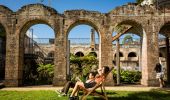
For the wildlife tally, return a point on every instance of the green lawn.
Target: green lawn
(113, 95)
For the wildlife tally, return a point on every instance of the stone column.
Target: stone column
(105, 54)
(60, 57)
(13, 71)
(150, 55)
(92, 42)
(118, 61)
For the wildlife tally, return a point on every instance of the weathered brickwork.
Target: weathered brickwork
(146, 22)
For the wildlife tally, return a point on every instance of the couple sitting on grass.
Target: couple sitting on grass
(91, 82)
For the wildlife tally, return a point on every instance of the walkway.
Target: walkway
(115, 88)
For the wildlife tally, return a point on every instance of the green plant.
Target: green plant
(81, 66)
(45, 73)
(127, 39)
(139, 1)
(127, 76)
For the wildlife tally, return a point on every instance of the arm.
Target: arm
(99, 71)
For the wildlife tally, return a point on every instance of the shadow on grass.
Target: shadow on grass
(126, 95)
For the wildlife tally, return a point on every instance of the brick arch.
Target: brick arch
(5, 12)
(5, 9)
(22, 30)
(79, 53)
(40, 7)
(3, 28)
(120, 54)
(28, 16)
(136, 26)
(80, 22)
(27, 24)
(164, 29)
(132, 54)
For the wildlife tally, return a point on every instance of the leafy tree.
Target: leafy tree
(127, 39)
(81, 66)
(139, 1)
(128, 76)
(46, 73)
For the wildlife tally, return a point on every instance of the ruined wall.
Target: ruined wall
(145, 20)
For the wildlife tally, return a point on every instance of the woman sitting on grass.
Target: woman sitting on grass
(99, 78)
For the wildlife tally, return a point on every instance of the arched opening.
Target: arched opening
(79, 54)
(93, 54)
(2, 52)
(164, 53)
(85, 39)
(132, 54)
(37, 37)
(126, 38)
(120, 54)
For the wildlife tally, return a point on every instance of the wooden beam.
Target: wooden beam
(127, 28)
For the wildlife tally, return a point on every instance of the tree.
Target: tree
(81, 66)
(139, 1)
(127, 39)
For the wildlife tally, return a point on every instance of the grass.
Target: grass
(112, 95)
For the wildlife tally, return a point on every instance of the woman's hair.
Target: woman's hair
(93, 73)
(158, 67)
(106, 69)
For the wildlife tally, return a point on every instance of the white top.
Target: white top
(147, 2)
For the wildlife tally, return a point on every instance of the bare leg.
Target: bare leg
(162, 84)
(76, 88)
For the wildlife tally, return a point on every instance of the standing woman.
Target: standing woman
(160, 74)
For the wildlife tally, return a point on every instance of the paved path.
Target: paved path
(115, 88)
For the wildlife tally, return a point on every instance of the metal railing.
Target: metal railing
(34, 45)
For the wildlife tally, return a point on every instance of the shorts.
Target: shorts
(89, 85)
(159, 75)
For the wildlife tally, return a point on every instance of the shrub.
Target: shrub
(45, 73)
(127, 76)
(81, 66)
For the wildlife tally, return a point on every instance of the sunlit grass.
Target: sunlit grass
(112, 95)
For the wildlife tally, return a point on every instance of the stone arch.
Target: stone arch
(28, 16)
(83, 21)
(31, 9)
(137, 27)
(5, 12)
(164, 29)
(93, 53)
(79, 54)
(21, 32)
(32, 22)
(132, 54)
(163, 53)
(120, 54)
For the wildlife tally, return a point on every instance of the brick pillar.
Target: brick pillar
(13, 73)
(150, 55)
(60, 62)
(106, 55)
